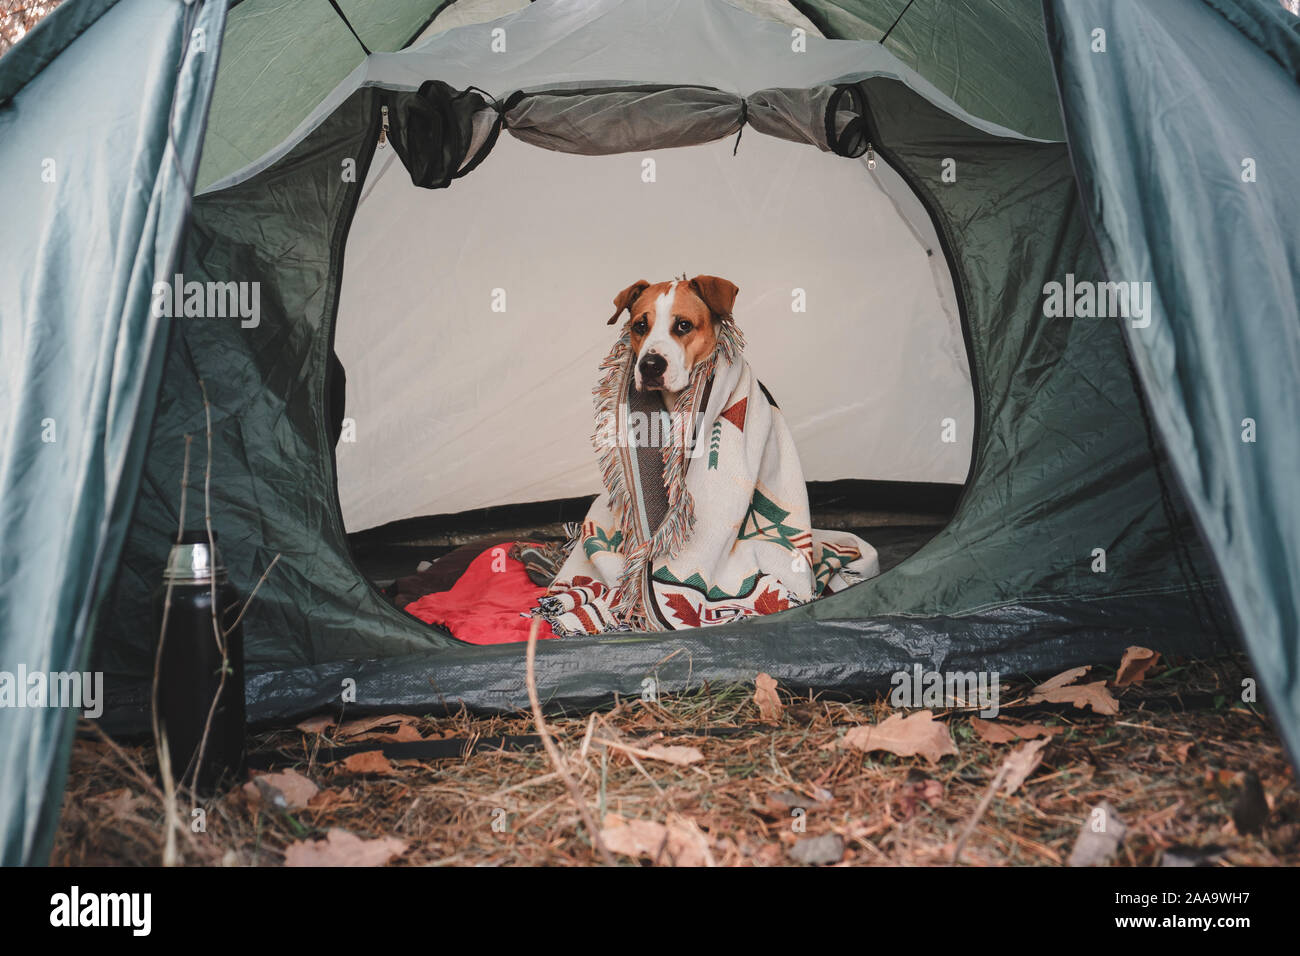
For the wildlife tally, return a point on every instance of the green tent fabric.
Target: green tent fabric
(988, 55)
(91, 220)
(1185, 132)
(1068, 457)
(281, 57)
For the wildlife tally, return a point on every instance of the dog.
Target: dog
(674, 326)
(693, 533)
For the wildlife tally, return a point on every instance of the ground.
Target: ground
(1176, 764)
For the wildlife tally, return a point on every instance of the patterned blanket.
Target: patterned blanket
(706, 516)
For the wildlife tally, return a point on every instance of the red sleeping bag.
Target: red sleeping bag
(485, 603)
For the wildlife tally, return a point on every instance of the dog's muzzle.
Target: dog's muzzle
(652, 369)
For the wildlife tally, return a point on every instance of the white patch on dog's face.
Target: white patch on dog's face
(661, 342)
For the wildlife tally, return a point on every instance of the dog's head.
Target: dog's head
(673, 325)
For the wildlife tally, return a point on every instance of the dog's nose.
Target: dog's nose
(653, 366)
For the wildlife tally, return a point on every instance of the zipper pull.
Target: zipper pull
(383, 129)
(871, 155)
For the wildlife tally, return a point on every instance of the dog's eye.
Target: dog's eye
(682, 327)
(640, 327)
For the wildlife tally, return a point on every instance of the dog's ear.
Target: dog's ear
(625, 298)
(718, 294)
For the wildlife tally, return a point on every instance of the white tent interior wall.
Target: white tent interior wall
(472, 319)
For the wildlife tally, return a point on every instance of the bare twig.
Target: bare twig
(256, 587)
(159, 735)
(979, 810)
(172, 819)
(553, 751)
(216, 624)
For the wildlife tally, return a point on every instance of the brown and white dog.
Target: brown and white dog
(673, 327)
(713, 524)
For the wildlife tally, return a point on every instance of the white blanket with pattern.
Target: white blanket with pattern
(705, 519)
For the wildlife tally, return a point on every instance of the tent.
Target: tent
(1070, 226)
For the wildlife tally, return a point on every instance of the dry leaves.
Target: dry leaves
(767, 699)
(316, 725)
(679, 842)
(905, 736)
(1022, 762)
(1063, 678)
(404, 728)
(1061, 689)
(1133, 668)
(371, 761)
(1099, 837)
(1005, 731)
(681, 756)
(287, 790)
(340, 848)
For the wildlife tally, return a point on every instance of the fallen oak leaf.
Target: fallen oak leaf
(681, 756)
(316, 725)
(341, 848)
(1004, 731)
(1135, 664)
(288, 790)
(354, 728)
(1094, 695)
(1061, 679)
(404, 733)
(674, 843)
(370, 761)
(767, 699)
(905, 736)
(1021, 763)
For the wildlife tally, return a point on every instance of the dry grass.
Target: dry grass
(1173, 777)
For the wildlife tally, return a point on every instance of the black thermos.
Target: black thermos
(191, 666)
